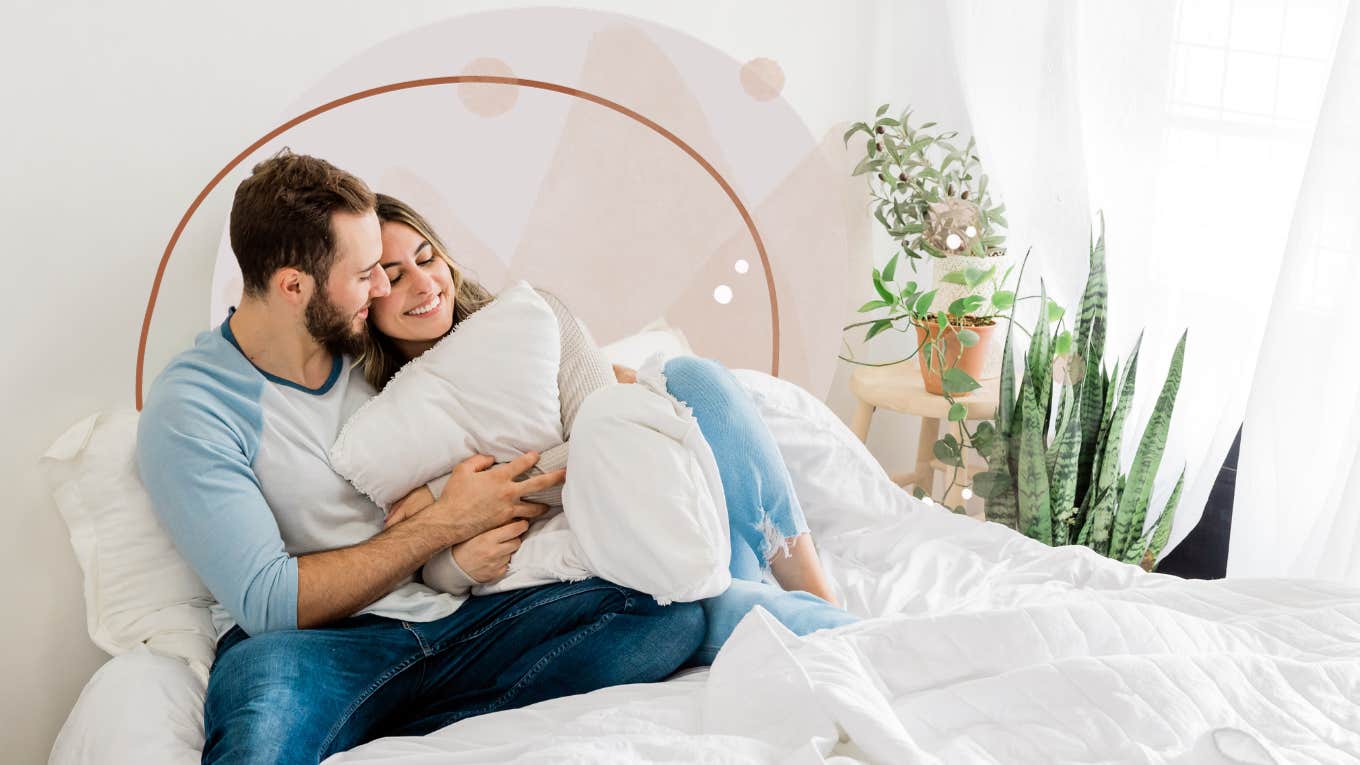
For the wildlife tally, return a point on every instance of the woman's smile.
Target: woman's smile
(427, 309)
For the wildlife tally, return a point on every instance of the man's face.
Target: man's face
(337, 312)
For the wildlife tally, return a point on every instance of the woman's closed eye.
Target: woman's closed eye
(394, 274)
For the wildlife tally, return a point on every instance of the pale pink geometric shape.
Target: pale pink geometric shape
(488, 99)
(762, 78)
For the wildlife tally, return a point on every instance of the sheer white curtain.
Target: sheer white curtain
(1189, 123)
(1298, 499)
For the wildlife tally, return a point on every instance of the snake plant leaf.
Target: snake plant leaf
(1133, 505)
(1161, 532)
(1093, 411)
(1062, 476)
(1037, 364)
(1090, 334)
(1102, 518)
(1005, 410)
(1036, 519)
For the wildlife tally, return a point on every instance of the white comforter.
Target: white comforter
(984, 646)
(993, 649)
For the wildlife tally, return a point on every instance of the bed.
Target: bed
(981, 646)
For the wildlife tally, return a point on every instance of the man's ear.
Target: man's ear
(293, 286)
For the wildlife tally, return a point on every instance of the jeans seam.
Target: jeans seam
(382, 680)
(542, 663)
(518, 612)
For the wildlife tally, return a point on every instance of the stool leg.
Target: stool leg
(864, 414)
(923, 474)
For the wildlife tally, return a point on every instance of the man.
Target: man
(325, 640)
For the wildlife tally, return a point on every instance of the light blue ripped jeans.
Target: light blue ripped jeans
(761, 506)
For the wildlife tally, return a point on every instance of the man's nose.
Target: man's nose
(382, 286)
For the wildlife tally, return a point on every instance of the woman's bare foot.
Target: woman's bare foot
(800, 569)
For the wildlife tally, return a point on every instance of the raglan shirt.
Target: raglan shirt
(236, 463)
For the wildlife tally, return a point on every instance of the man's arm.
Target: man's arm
(204, 492)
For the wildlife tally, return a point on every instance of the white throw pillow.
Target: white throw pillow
(138, 590)
(489, 387)
(643, 493)
(656, 337)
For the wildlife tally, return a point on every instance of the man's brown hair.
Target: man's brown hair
(281, 217)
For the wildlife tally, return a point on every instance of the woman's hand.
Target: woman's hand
(624, 374)
(486, 556)
(409, 505)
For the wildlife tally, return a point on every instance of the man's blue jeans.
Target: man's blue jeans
(298, 696)
(762, 509)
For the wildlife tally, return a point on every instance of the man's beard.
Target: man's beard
(332, 328)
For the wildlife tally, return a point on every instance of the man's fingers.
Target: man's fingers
(529, 509)
(476, 463)
(511, 530)
(541, 482)
(519, 464)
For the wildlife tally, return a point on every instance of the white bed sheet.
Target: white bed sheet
(984, 647)
(994, 649)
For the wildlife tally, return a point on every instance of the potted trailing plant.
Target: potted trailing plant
(932, 198)
(1053, 450)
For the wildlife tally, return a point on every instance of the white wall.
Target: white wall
(115, 115)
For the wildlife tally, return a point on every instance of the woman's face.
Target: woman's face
(419, 310)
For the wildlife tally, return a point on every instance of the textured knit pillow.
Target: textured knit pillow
(489, 387)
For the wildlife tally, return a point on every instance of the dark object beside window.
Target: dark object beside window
(1203, 554)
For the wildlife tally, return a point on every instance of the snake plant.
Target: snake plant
(1064, 485)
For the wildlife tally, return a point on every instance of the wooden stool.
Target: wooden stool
(899, 388)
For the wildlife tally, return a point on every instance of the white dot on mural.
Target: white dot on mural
(762, 78)
(723, 294)
(742, 266)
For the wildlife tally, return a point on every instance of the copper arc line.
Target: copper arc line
(453, 80)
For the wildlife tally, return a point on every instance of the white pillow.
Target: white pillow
(138, 590)
(138, 708)
(840, 485)
(656, 337)
(489, 387)
(643, 493)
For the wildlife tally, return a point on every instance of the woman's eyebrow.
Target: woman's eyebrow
(420, 247)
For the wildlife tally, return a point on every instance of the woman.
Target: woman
(430, 296)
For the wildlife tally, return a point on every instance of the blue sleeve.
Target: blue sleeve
(195, 460)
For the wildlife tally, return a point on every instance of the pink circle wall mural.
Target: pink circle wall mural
(647, 176)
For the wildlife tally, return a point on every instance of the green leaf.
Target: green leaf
(1055, 311)
(1003, 299)
(966, 305)
(877, 327)
(890, 269)
(880, 289)
(954, 277)
(1161, 532)
(1063, 473)
(1063, 344)
(990, 483)
(1133, 505)
(946, 455)
(968, 338)
(976, 276)
(1036, 520)
(957, 412)
(923, 302)
(855, 128)
(881, 110)
(918, 492)
(873, 305)
(955, 380)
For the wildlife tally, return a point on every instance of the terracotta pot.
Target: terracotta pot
(971, 360)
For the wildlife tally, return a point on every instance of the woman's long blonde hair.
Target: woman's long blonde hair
(381, 358)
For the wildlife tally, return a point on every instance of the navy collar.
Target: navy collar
(336, 365)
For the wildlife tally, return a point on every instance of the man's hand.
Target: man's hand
(487, 556)
(624, 374)
(409, 505)
(482, 495)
